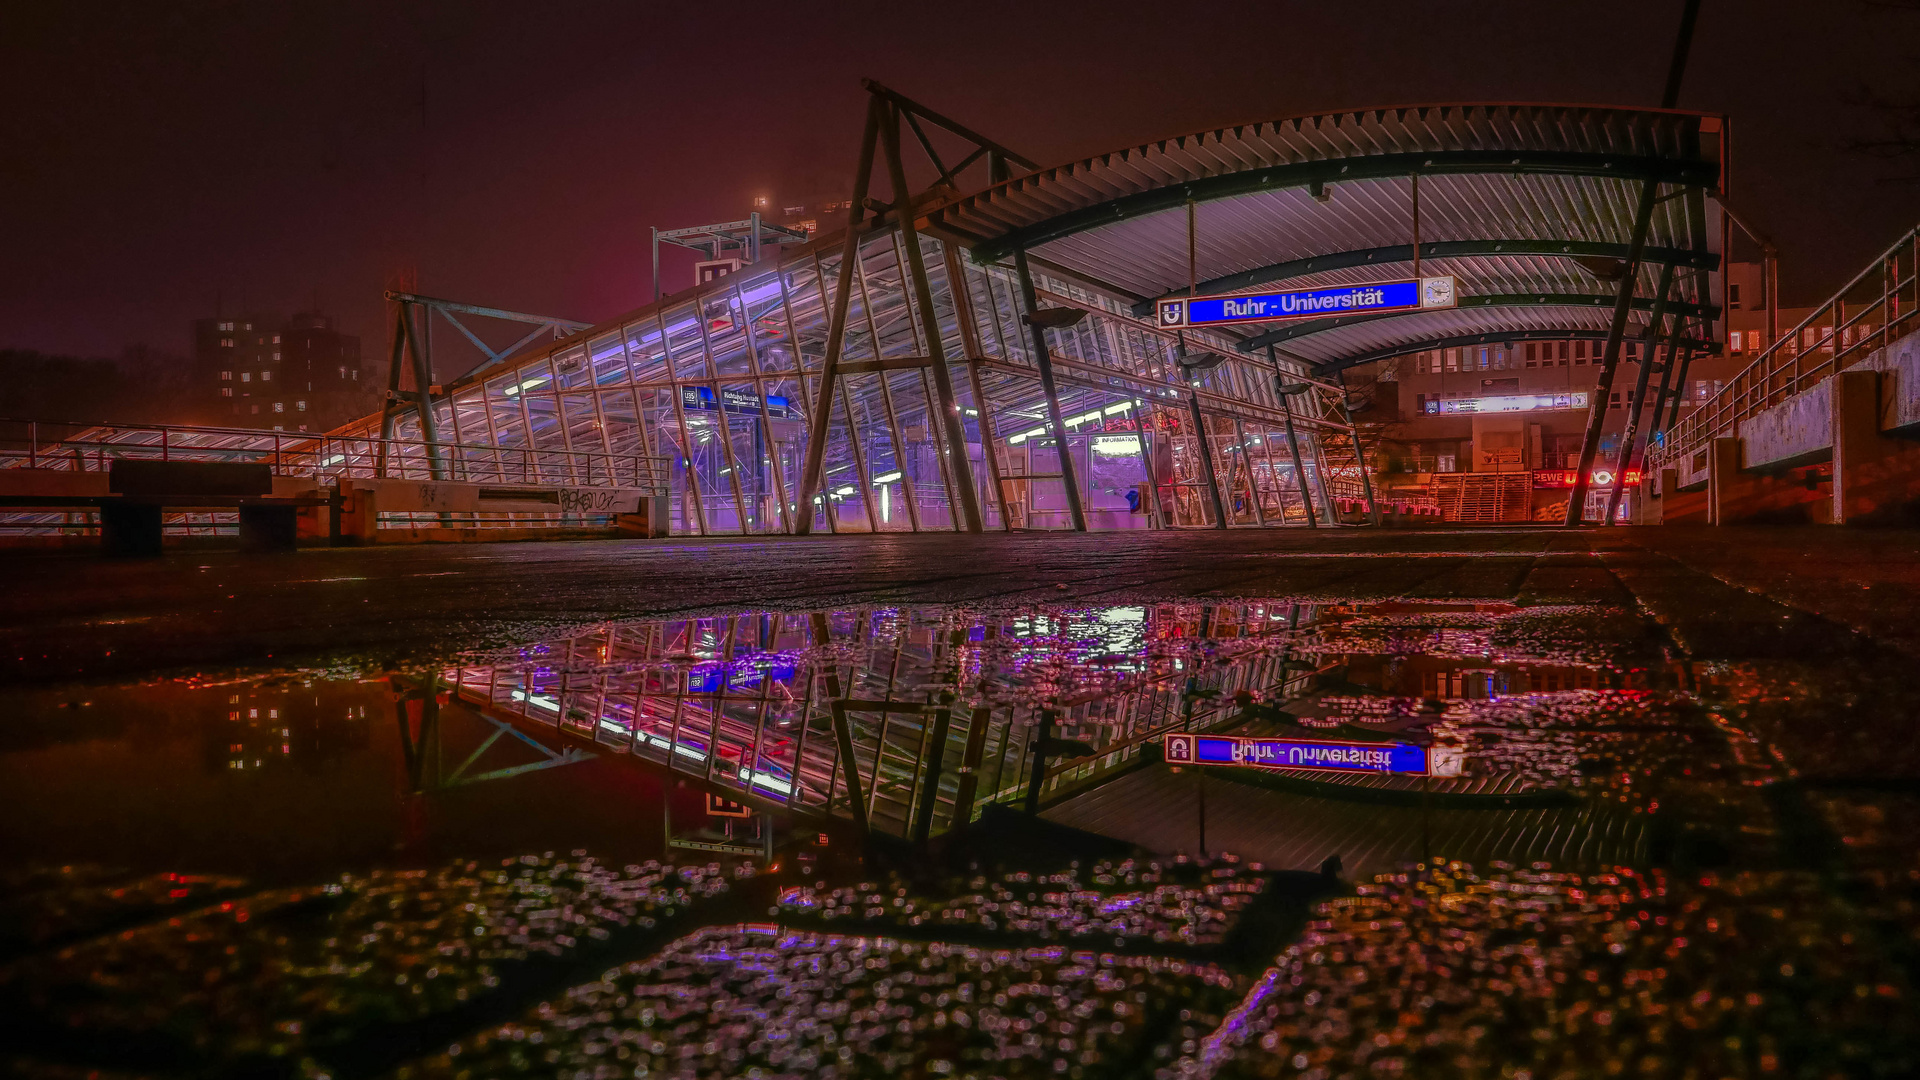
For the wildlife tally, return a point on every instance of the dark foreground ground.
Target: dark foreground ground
(1720, 593)
(245, 875)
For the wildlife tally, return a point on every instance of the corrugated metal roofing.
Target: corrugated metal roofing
(1487, 172)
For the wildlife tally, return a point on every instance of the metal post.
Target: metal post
(970, 341)
(1044, 360)
(1649, 341)
(1038, 777)
(1623, 304)
(1680, 393)
(655, 230)
(1359, 456)
(393, 391)
(1206, 458)
(810, 477)
(1299, 470)
(961, 469)
(423, 401)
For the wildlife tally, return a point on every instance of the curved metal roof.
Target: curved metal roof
(1528, 205)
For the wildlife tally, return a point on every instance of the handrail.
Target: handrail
(1784, 368)
(95, 446)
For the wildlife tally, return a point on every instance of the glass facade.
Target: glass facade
(722, 383)
(941, 710)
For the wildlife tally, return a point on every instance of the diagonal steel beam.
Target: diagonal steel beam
(1597, 414)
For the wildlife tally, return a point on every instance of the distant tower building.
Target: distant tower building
(264, 371)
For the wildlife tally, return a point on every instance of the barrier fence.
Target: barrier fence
(1837, 334)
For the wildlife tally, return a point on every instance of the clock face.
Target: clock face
(1436, 292)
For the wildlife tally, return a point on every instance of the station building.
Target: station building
(996, 361)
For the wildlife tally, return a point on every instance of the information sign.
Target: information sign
(1370, 298)
(1332, 756)
(735, 401)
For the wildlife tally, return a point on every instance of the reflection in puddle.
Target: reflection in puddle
(228, 877)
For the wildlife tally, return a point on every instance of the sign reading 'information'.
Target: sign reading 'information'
(1402, 758)
(1372, 298)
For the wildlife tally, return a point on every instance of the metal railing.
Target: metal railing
(73, 447)
(1836, 335)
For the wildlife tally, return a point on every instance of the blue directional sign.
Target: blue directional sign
(1371, 298)
(1398, 757)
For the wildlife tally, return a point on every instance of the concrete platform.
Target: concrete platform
(1726, 592)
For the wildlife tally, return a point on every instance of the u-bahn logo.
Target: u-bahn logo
(1173, 312)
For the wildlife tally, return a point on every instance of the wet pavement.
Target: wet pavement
(455, 811)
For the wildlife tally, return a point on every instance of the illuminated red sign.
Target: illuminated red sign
(1563, 478)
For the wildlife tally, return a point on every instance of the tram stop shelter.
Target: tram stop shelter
(990, 346)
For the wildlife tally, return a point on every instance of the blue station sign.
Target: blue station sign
(734, 401)
(1371, 298)
(1349, 757)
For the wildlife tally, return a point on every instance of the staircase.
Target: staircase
(1484, 497)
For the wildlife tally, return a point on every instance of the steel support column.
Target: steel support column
(1359, 456)
(811, 476)
(1206, 459)
(1650, 341)
(1680, 387)
(423, 389)
(1299, 470)
(1597, 414)
(1044, 360)
(959, 468)
(970, 341)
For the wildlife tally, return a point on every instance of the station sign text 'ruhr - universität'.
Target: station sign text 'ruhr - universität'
(1399, 757)
(1369, 298)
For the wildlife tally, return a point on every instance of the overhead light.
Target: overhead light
(1200, 361)
(1600, 266)
(1289, 389)
(1054, 318)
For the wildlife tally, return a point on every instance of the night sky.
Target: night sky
(157, 159)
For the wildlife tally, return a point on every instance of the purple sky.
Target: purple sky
(160, 158)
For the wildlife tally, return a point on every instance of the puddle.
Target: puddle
(416, 859)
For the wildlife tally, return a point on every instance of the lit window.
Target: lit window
(1733, 341)
(226, 343)
(276, 341)
(226, 376)
(343, 371)
(279, 407)
(226, 391)
(266, 376)
(276, 352)
(226, 326)
(246, 376)
(301, 405)
(246, 326)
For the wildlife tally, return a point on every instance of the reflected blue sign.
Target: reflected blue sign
(711, 678)
(1370, 298)
(1397, 757)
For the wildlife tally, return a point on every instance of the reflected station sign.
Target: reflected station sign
(1371, 298)
(1399, 758)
